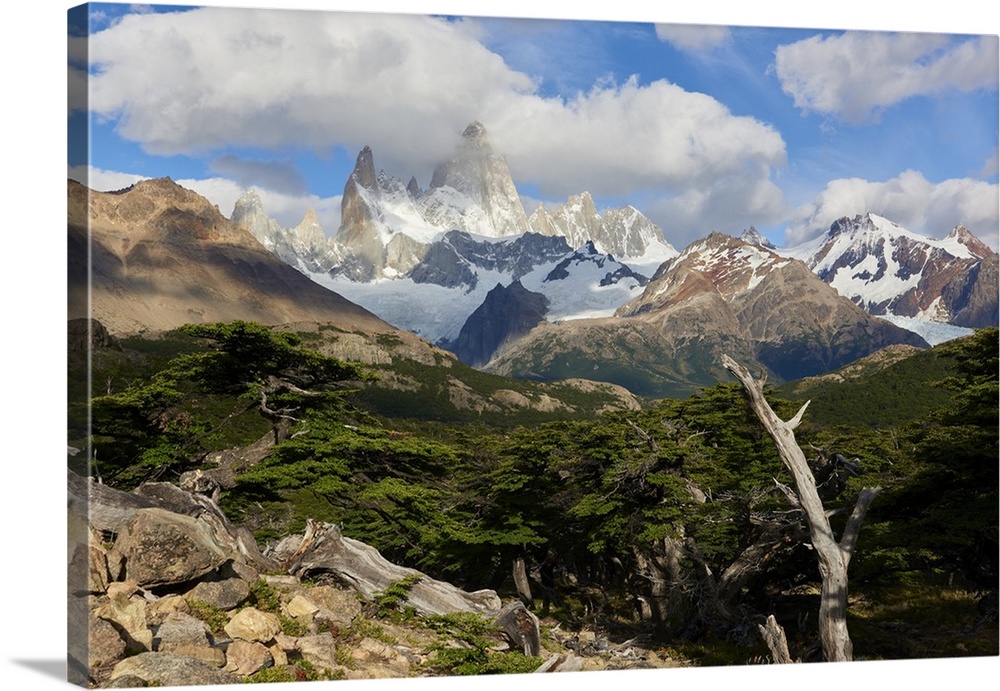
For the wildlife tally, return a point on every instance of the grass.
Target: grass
(919, 621)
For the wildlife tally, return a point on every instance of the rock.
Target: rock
(251, 624)
(126, 681)
(157, 612)
(181, 630)
(105, 645)
(98, 573)
(301, 609)
(163, 548)
(225, 594)
(246, 657)
(338, 607)
(278, 655)
(128, 614)
(319, 650)
(170, 669)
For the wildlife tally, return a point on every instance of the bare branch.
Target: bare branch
(788, 492)
(794, 422)
(850, 536)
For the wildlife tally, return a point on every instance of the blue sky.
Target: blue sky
(701, 127)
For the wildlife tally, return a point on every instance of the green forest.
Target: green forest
(668, 522)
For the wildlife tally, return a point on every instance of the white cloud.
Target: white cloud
(196, 82)
(910, 200)
(855, 75)
(693, 38)
(618, 139)
(730, 205)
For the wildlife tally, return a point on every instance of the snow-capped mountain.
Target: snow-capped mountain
(424, 260)
(901, 275)
(305, 247)
(459, 271)
(721, 295)
(623, 232)
(755, 237)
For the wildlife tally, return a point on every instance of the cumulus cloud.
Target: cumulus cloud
(855, 75)
(693, 38)
(617, 139)
(909, 199)
(195, 82)
(729, 206)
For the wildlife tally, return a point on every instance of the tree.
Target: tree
(238, 374)
(833, 556)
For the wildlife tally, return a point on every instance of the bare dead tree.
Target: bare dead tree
(833, 556)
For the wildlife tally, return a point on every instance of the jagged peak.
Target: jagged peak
(755, 237)
(364, 169)
(476, 130)
(310, 217)
(248, 199)
(966, 237)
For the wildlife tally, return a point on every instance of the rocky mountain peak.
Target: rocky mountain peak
(476, 133)
(364, 169)
(754, 237)
(847, 225)
(964, 236)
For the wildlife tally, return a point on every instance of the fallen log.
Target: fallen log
(324, 551)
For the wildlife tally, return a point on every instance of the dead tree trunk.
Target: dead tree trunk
(521, 581)
(833, 556)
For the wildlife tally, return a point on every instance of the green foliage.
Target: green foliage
(584, 501)
(395, 596)
(209, 397)
(215, 618)
(476, 657)
(271, 675)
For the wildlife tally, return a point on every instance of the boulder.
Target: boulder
(105, 645)
(247, 657)
(250, 624)
(181, 630)
(160, 547)
(225, 594)
(337, 607)
(170, 669)
(319, 650)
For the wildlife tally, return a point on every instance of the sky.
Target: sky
(701, 127)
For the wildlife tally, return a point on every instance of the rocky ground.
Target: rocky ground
(165, 592)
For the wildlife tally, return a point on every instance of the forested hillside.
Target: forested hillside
(666, 522)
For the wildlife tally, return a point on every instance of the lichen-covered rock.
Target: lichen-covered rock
(319, 650)
(251, 624)
(105, 645)
(162, 548)
(225, 594)
(247, 657)
(170, 669)
(338, 607)
(181, 630)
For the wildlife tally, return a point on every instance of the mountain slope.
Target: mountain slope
(720, 295)
(163, 256)
(891, 271)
